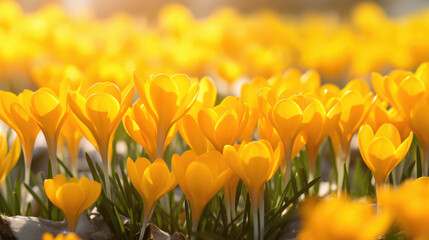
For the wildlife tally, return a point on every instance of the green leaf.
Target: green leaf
(36, 197)
(66, 169)
(407, 173)
(419, 162)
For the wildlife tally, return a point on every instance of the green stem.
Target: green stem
(340, 160)
(53, 157)
(106, 165)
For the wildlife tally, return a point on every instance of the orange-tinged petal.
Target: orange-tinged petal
(365, 137)
(91, 190)
(164, 98)
(287, 118)
(199, 181)
(107, 88)
(155, 181)
(390, 132)
(207, 119)
(70, 200)
(402, 150)
(102, 109)
(187, 102)
(225, 129)
(193, 135)
(381, 154)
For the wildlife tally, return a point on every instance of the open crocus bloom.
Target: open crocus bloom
(255, 163)
(152, 181)
(50, 111)
(72, 196)
(166, 99)
(224, 123)
(382, 150)
(200, 177)
(101, 110)
(15, 112)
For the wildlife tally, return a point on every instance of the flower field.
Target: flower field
(231, 126)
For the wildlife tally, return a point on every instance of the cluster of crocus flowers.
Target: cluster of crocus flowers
(382, 150)
(200, 177)
(324, 121)
(152, 181)
(255, 163)
(243, 137)
(72, 196)
(188, 125)
(288, 115)
(355, 47)
(340, 218)
(100, 110)
(163, 101)
(407, 93)
(356, 102)
(8, 157)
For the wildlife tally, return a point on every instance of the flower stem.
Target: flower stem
(194, 228)
(378, 188)
(145, 221)
(28, 155)
(52, 147)
(344, 158)
(255, 222)
(106, 165)
(261, 217)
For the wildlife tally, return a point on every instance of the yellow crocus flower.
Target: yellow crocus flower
(101, 110)
(8, 159)
(61, 236)
(255, 163)
(72, 134)
(50, 111)
(249, 91)
(288, 115)
(224, 123)
(383, 150)
(323, 122)
(15, 112)
(407, 92)
(72, 196)
(188, 125)
(229, 70)
(380, 115)
(268, 132)
(167, 99)
(408, 206)
(200, 177)
(152, 181)
(141, 126)
(340, 218)
(356, 101)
